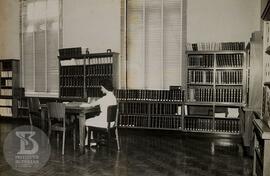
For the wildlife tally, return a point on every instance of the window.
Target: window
(40, 39)
(154, 42)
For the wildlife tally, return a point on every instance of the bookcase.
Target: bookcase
(261, 159)
(22, 102)
(150, 109)
(216, 87)
(9, 70)
(80, 73)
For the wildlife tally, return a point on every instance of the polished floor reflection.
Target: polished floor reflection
(144, 153)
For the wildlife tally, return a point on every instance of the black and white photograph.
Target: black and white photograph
(135, 87)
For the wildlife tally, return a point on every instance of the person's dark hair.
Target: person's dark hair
(107, 84)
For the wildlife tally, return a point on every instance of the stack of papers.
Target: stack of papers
(233, 113)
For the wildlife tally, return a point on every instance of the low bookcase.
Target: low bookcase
(150, 109)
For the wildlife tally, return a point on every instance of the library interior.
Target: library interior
(135, 87)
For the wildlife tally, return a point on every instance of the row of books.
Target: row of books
(87, 61)
(94, 92)
(214, 46)
(71, 81)
(203, 94)
(133, 108)
(71, 71)
(77, 81)
(71, 92)
(230, 126)
(151, 95)
(229, 95)
(133, 121)
(93, 70)
(222, 77)
(230, 60)
(99, 60)
(200, 76)
(229, 77)
(166, 122)
(6, 92)
(96, 70)
(198, 124)
(149, 108)
(5, 102)
(6, 74)
(205, 60)
(79, 92)
(190, 124)
(163, 109)
(95, 81)
(7, 82)
(5, 111)
(70, 52)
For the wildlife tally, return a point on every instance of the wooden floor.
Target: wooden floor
(144, 153)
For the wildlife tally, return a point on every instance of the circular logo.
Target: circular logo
(27, 149)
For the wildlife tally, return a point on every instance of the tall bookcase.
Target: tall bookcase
(216, 88)
(150, 109)
(9, 70)
(80, 74)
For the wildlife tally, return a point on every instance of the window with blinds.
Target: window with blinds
(40, 39)
(155, 42)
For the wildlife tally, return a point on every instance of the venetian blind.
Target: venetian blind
(41, 37)
(156, 37)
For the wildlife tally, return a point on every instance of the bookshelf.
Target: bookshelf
(80, 73)
(9, 76)
(261, 155)
(216, 87)
(150, 109)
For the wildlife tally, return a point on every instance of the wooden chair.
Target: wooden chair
(57, 122)
(34, 111)
(112, 113)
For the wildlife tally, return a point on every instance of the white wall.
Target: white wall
(222, 20)
(9, 29)
(92, 23)
(263, 5)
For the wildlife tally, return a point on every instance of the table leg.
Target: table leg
(82, 130)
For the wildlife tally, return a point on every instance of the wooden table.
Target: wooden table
(74, 108)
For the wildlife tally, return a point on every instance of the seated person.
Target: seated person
(107, 100)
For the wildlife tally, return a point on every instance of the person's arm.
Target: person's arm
(92, 104)
(97, 102)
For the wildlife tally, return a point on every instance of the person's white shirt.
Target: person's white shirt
(101, 120)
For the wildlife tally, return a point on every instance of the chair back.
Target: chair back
(56, 111)
(33, 104)
(111, 113)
